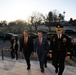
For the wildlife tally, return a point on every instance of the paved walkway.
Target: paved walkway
(10, 67)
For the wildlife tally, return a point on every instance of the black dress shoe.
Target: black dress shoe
(28, 68)
(56, 70)
(45, 66)
(16, 58)
(42, 70)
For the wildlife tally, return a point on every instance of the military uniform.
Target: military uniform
(60, 48)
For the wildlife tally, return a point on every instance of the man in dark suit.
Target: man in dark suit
(41, 47)
(59, 48)
(27, 47)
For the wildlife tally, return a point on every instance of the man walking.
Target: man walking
(41, 47)
(59, 48)
(27, 47)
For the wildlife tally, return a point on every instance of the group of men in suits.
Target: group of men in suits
(59, 48)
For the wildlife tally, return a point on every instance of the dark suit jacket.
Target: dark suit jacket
(29, 47)
(60, 46)
(44, 48)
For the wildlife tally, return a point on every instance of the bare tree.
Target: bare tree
(50, 17)
(37, 18)
(4, 23)
(61, 17)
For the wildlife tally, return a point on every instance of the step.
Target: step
(19, 67)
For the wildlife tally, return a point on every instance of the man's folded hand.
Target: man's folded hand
(50, 55)
(20, 53)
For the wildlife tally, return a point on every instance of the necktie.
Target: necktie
(40, 40)
(59, 36)
(25, 42)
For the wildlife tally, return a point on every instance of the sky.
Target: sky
(11, 10)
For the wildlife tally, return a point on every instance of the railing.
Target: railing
(3, 48)
(2, 52)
